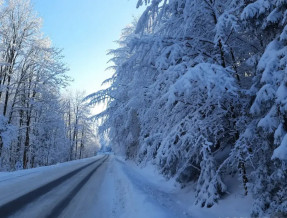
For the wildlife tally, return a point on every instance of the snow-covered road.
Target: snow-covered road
(103, 186)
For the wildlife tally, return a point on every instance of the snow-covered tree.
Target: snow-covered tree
(80, 129)
(177, 79)
(33, 127)
(199, 90)
(268, 110)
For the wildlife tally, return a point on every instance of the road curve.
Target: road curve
(52, 198)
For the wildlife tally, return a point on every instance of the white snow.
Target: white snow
(281, 151)
(121, 189)
(129, 191)
(255, 9)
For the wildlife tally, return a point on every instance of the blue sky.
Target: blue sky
(86, 30)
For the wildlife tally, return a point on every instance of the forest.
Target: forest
(200, 91)
(40, 125)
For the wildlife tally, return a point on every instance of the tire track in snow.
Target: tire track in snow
(155, 195)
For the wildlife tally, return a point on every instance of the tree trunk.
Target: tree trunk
(27, 142)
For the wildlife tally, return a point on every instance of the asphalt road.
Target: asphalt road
(65, 196)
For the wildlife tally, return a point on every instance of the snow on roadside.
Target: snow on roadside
(142, 192)
(129, 198)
